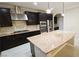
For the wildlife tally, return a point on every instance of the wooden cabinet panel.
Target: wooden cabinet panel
(12, 41)
(0, 45)
(7, 42)
(5, 17)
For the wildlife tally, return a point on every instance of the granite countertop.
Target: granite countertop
(51, 40)
(15, 32)
(7, 34)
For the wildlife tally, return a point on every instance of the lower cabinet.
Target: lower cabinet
(7, 42)
(20, 39)
(12, 41)
(0, 45)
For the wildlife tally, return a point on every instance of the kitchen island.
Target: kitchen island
(55, 43)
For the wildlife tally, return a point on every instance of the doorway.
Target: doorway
(58, 22)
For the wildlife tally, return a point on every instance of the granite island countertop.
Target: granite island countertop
(51, 40)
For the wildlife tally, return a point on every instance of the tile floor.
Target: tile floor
(19, 51)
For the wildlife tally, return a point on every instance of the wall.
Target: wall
(71, 23)
(71, 20)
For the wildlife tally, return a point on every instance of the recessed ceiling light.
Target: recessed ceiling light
(35, 3)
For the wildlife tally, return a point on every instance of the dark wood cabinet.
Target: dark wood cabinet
(45, 16)
(0, 45)
(49, 16)
(5, 17)
(20, 39)
(32, 18)
(42, 16)
(11, 41)
(7, 42)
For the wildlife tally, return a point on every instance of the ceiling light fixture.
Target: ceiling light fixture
(35, 3)
(49, 9)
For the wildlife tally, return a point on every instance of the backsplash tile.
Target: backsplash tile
(6, 29)
(18, 25)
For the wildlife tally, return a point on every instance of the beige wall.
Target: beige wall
(17, 25)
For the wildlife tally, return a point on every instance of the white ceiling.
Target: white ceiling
(68, 5)
(41, 5)
(57, 6)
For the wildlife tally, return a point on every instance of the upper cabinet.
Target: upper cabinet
(33, 18)
(45, 16)
(49, 16)
(42, 16)
(5, 17)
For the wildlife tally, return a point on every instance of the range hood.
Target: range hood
(18, 15)
(15, 16)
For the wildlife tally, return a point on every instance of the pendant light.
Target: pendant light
(49, 9)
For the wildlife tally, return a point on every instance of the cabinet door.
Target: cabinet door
(49, 16)
(42, 16)
(0, 45)
(13, 41)
(5, 17)
(20, 39)
(7, 42)
(5, 20)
